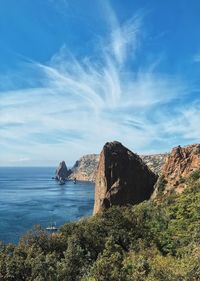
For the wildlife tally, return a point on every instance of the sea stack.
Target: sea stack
(122, 178)
(62, 172)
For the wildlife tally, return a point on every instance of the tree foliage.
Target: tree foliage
(150, 241)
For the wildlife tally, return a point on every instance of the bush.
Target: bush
(160, 185)
(195, 175)
(145, 242)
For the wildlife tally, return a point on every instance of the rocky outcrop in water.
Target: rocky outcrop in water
(62, 172)
(122, 178)
(85, 168)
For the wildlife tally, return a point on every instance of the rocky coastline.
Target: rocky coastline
(122, 177)
(85, 168)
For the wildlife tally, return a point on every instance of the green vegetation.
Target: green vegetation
(149, 241)
(160, 185)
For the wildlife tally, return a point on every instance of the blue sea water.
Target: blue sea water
(28, 196)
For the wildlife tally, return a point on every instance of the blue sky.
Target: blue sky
(76, 74)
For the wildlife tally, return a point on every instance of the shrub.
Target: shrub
(145, 242)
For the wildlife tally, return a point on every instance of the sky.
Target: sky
(75, 74)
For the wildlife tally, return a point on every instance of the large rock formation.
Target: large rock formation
(122, 178)
(178, 165)
(62, 172)
(85, 168)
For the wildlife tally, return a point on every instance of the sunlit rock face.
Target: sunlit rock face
(62, 172)
(179, 164)
(154, 161)
(85, 168)
(122, 178)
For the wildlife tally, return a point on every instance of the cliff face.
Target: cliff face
(154, 162)
(62, 171)
(178, 165)
(85, 168)
(122, 178)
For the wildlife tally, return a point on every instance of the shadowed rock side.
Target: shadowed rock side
(62, 171)
(178, 165)
(122, 178)
(85, 168)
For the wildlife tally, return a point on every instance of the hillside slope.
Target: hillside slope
(85, 168)
(145, 242)
(178, 165)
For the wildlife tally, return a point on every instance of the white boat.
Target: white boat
(52, 228)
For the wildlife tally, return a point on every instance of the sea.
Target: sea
(29, 196)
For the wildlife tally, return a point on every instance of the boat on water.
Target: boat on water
(52, 228)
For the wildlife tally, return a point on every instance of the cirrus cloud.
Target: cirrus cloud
(74, 105)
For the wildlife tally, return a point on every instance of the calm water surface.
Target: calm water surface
(29, 196)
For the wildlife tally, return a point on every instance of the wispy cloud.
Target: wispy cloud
(186, 123)
(124, 37)
(196, 58)
(80, 103)
(19, 160)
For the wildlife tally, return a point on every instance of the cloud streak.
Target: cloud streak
(80, 103)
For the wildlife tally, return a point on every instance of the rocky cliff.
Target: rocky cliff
(62, 172)
(122, 178)
(85, 168)
(179, 164)
(155, 161)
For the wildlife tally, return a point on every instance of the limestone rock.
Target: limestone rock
(85, 168)
(154, 161)
(122, 178)
(62, 172)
